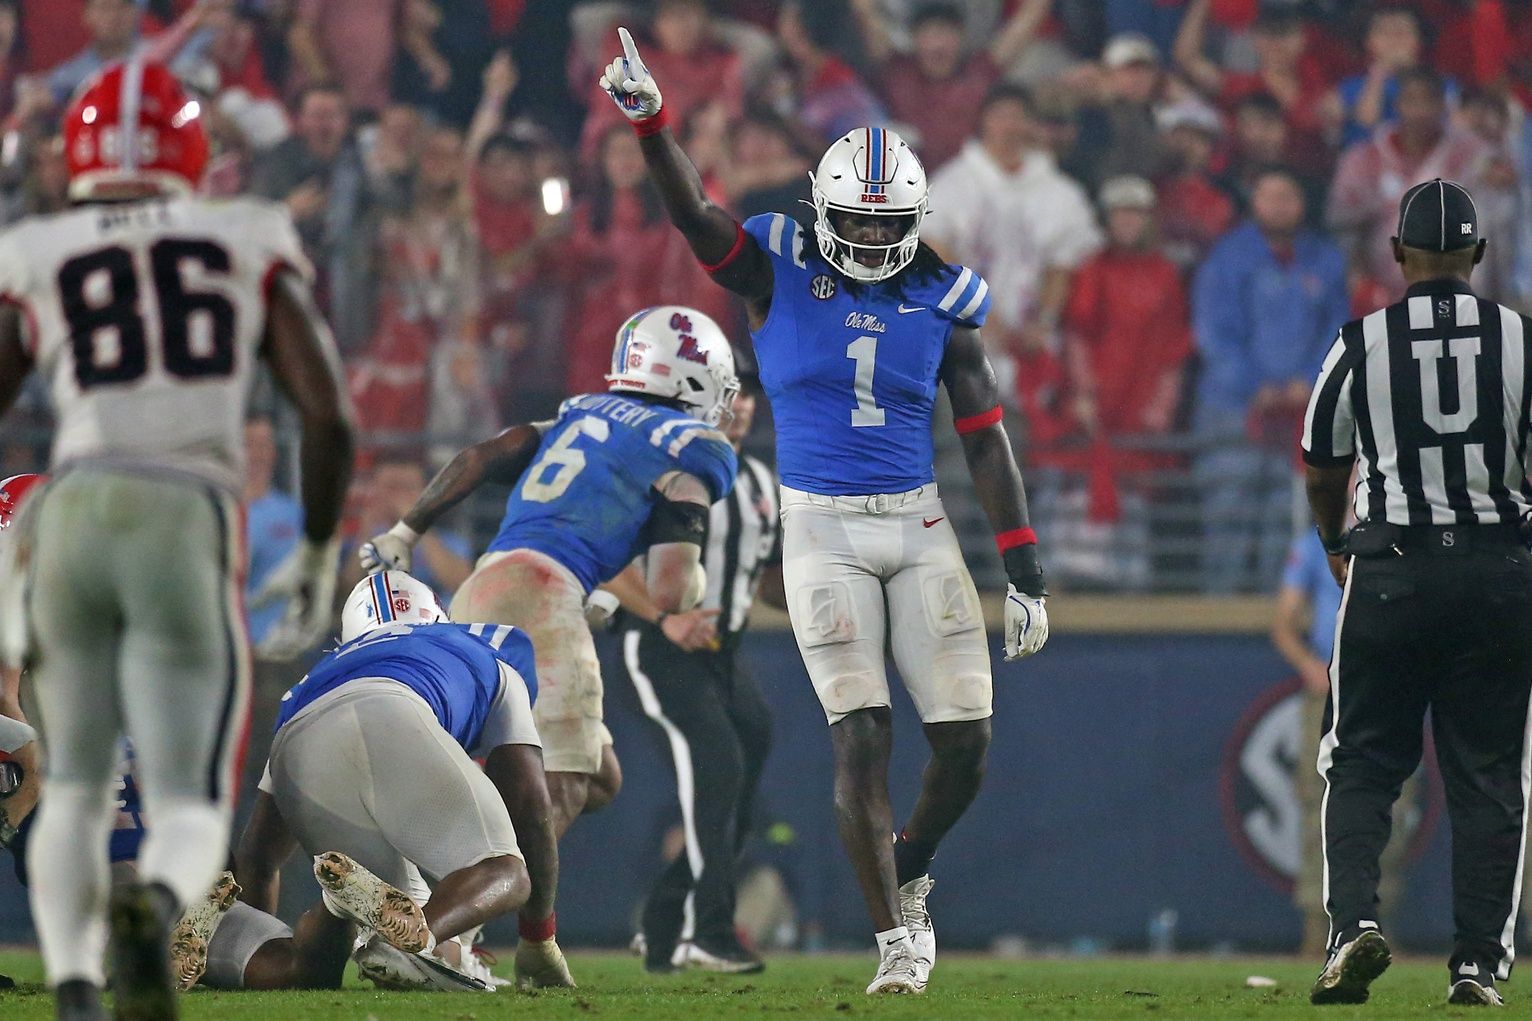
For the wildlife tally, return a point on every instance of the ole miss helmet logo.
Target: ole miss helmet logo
(691, 351)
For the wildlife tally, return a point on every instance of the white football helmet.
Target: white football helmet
(678, 353)
(873, 172)
(388, 597)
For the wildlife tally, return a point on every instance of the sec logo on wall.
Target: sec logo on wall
(1258, 786)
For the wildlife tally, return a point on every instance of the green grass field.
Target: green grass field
(831, 987)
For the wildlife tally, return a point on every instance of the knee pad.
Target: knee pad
(854, 684)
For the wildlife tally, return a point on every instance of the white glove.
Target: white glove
(1026, 623)
(540, 964)
(391, 551)
(306, 579)
(630, 84)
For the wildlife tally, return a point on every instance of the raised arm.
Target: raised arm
(1017, 33)
(731, 256)
(1205, 74)
(499, 459)
(975, 397)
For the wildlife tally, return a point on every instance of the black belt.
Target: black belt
(1378, 538)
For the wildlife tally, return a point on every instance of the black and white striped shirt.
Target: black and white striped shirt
(1431, 395)
(742, 541)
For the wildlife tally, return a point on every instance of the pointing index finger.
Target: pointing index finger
(636, 68)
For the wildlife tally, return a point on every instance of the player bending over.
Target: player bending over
(372, 758)
(853, 331)
(614, 475)
(251, 949)
(146, 308)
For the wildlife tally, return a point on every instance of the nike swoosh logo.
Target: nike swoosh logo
(890, 942)
(928, 524)
(913, 308)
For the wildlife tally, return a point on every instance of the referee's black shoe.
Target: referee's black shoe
(1360, 956)
(1473, 985)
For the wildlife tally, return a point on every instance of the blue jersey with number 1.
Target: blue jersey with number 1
(851, 371)
(589, 491)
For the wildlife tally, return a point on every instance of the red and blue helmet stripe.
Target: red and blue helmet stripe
(382, 603)
(625, 339)
(877, 173)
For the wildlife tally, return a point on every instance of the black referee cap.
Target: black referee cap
(1438, 216)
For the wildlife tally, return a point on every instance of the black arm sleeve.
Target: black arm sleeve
(677, 521)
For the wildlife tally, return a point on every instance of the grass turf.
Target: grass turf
(616, 987)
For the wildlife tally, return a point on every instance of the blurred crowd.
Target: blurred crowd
(1175, 202)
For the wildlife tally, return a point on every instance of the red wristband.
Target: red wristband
(739, 246)
(652, 125)
(1016, 537)
(973, 423)
(538, 932)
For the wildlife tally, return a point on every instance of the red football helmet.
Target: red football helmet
(12, 490)
(167, 148)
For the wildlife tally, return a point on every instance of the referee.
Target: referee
(1431, 396)
(713, 714)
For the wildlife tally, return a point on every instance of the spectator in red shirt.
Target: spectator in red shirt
(1126, 330)
(1194, 211)
(1126, 337)
(938, 87)
(683, 52)
(1284, 70)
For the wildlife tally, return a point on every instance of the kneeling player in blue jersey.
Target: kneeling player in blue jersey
(615, 475)
(854, 329)
(371, 758)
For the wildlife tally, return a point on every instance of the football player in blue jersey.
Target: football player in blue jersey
(854, 329)
(373, 757)
(614, 475)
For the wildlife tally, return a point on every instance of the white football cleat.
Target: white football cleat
(476, 960)
(351, 892)
(897, 972)
(912, 904)
(192, 936)
(388, 967)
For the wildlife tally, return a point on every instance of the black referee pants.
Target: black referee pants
(719, 730)
(1445, 628)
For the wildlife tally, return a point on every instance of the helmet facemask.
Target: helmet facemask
(842, 253)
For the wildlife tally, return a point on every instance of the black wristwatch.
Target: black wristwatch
(1336, 547)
